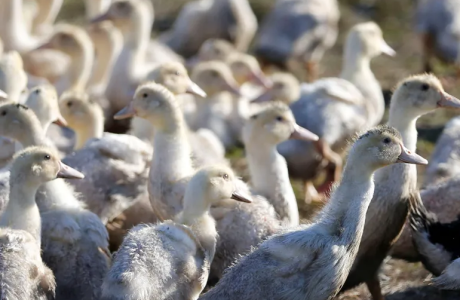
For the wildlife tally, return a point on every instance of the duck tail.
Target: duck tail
(419, 217)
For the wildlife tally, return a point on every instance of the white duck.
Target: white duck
(201, 20)
(46, 16)
(94, 8)
(396, 185)
(313, 261)
(24, 275)
(176, 256)
(13, 79)
(74, 241)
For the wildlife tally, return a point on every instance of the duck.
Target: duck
(24, 275)
(444, 159)
(298, 33)
(267, 168)
(213, 111)
(191, 237)
(74, 240)
(134, 19)
(438, 25)
(313, 261)
(212, 49)
(395, 185)
(356, 97)
(75, 42)
(16, 37)
(437, 245)
(201, 20)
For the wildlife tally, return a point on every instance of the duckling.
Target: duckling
(395, 185)
(13, 79)
(298, 32)
(134, 19)
(355, 99)
(438, 23)
(212, 49)
(213, 112)
(285, 88)
(313, 261)
(444, 162)
(170, 247)
(201, 20)
(268, 169)
(74, 240)
(24, 275)
(76, 43)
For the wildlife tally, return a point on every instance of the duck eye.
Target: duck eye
(253, 117)
(145, 95)
(213, 74)
(387, 141)
(4, 113)
(47, 157)
(177, 73)
(279, 119)
(225, 176)
(69, 104)
(37, 91)
(425, 87)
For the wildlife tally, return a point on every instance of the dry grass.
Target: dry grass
(400, 280)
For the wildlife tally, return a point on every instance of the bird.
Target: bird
(201, 20)
(298, 33)
(313, 261)
(24, 275)
(174, 257)
(395, 186)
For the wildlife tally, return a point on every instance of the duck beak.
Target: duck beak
(126, 112)
(233, 88)
(3, 95)
(387, 49)
(260, 79)
(68, 172)
(194, 89)
(301, 133)
(448, 101)
(104, 17)
(60, 121)
(241, 198)
(409, 157)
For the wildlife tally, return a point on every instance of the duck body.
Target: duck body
(439, 24)
(292, 20)
(205, 19)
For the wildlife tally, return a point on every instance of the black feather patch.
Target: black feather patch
(19, 105)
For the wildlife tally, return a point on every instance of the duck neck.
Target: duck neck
(354, 62)
(345, 214)
(196, 216)
(22, 212)
(80, 68)
(14, 30)
(270, 178)
(47, 13)
(34, 137)
(56, 194)
(172, 156)
(406, 125)
(138, 36)
(107, 53)
(93, 129)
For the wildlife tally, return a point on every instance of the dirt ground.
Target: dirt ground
(400, 280)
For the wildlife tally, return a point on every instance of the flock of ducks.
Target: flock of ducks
(156, 212)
